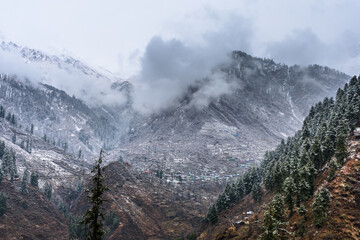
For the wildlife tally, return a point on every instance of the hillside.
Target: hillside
(30, 216)
(148, 207)
(268, 103)
(307, 188)
(341, 220)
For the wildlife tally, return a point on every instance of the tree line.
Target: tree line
(291, 169)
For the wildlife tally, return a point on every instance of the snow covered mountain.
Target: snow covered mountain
(32, 89)
(230, 133)
(233, 131)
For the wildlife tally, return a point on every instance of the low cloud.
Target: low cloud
(170, 67)
(92, 90)
(304, 47)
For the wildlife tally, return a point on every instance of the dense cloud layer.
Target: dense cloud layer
(170, 67)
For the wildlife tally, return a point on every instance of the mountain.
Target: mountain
(304, 189)
(235, 130)
(64, 119)
(165, 168)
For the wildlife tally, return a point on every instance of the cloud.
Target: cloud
(212, 88)
(93, 90)
(304, 47)
(170, 67)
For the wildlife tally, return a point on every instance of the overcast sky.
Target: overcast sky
(114, 34)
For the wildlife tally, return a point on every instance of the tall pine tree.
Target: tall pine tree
(94, 217)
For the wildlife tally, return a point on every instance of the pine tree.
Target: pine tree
(316, 154)
(2, 149)
(278, 177)
(230, 191)
(13, 120)
(94, 216)
(2, 112)
(240, 188)
(34, 179)
(302, 212)
(24, 181)
(320, 205)
(212, 216)
(48, 190)
(13, 139)
(341, 151)
(289, 193)
(8, 117)
(79, 153)
(303, 191)
(223, 202)
(333, 166)
(7, 161)
(274, 219)
(32, 129)
(247, 182)
(3, 204)
(257, 192)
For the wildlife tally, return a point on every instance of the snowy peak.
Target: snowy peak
(62, 61)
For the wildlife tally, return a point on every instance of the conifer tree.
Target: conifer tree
(7, 161)
(3, 204)
(257, 192)
(94, 217)
(223, 202)
(48, 190)
(320, 205)
(32, 129)
(230, 191)
(24, 181)
(341, 151)
(13, 120)
(289, 193)
(8, 117)
(333, 166)
(240, 188)
(274, 219)
(212, 216)
(302, 212)
(2, 149)
(316, 154)
(34, 179)
(2, 112)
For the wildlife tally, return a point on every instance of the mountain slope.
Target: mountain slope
(341, 220)
(148, 207)
(30, 216)
(235, 130)
(307, 188)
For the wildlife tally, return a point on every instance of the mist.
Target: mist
(170, 66)
(94, 91)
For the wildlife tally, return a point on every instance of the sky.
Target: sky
(165, 46)
(113, 34)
